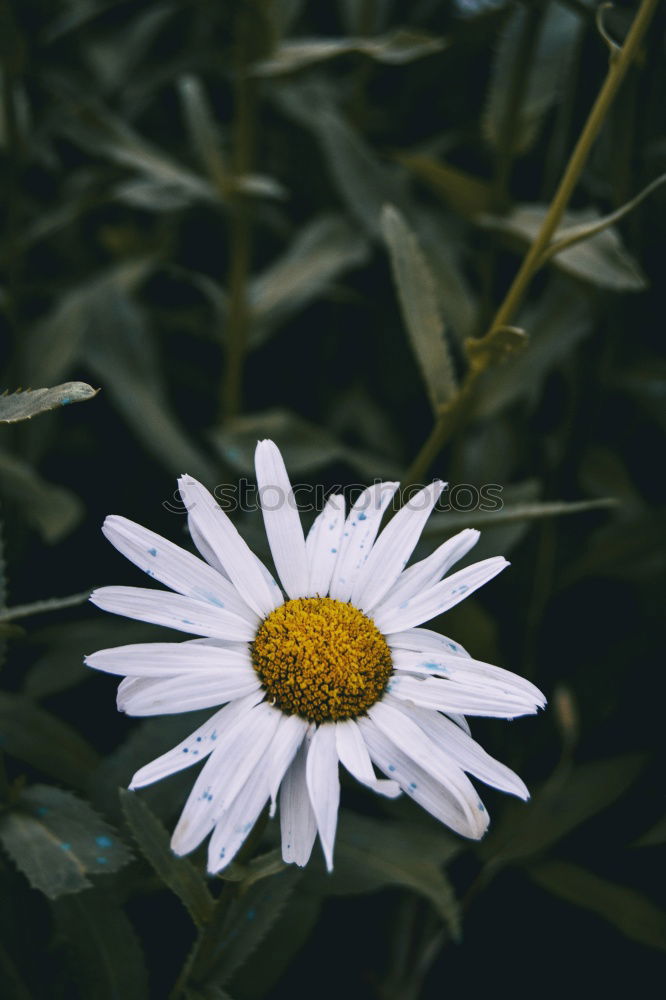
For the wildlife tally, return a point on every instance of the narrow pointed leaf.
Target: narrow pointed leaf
(416, 291)
(179, 874)
(27, 404)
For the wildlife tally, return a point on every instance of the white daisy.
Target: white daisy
(336, 671)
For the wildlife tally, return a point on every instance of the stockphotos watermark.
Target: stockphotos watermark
(246, 496)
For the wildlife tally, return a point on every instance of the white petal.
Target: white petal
(166, 659)
(424, 640)
(183, 613)
(409, 738)
(321, 774)
(466, 752)
(236, 822)
(194, 747)
(441, 597)
(204, 547)
(469, 673)
(450, 696)
(424, 574)
(187, 692)
(173, 566)
(233, 552)
(460, 721)
(360, 531)
(354, 755)
(392, 550)
(239, 749)
(431, 794)
(281, 519)
(323, 544)
(297, 820)
(290, 734)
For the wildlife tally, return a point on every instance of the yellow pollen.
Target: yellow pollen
(321, 659)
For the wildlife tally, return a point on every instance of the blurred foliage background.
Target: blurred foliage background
(193, 203)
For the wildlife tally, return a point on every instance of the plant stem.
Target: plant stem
(240, 231)
(450, 418)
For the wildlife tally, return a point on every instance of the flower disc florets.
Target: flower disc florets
(321, 659)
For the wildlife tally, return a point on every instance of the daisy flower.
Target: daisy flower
(328, 667)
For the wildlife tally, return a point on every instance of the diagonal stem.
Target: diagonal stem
(450, 419)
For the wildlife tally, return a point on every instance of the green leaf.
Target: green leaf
(43, 741)
(655, 836)
(550, 60)
(324, 249)
(120, 349)
(443, 249)
(42, 607)
(365, 184)
(105, 954)
(396, 48)
(243, 925)
(10, 978)
(372, 854)
(52, 510)
(584, 231)
(601, 260)
(467, 195)
(179, 874)
(27, 404)
(418, 301)
(57, 840)
(57, 340)
(61, 666)
(305, 447)
(204, 134)
(629, 911)
(279, 948)
(560, 806)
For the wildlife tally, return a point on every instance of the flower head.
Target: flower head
(328, 668)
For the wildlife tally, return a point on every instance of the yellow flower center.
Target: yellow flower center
(321, 659)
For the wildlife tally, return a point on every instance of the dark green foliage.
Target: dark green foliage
(239, 220)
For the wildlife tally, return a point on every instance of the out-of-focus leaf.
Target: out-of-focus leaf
(57, 840)
(103, 134)
(365, 184)
(61, 666)
(204, 135)
(38, 738)
(464, 193)
(319, 253)
(244, 925)
(416, 292)
(630, 549)
(57, 340)
(395, 48)
(633, 914)
(120, 349)
(305, 446)
(105, 954)
(555, 324)
(655, 836)
(52, 510)
(550, 62)
(280, 946)
(602, 259)
(372, 854)
(27, 404)
(41, 607)
(116, 56)
(559, 807)
(10, 978)
(179, 874)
